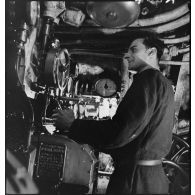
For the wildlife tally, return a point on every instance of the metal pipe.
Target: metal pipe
(178, 63)
(184, 50)
(173, 164)
(104, 173)
(46, 32)
(120, 56)
(93, 29)
(20, 68)
(172, 25)
(162, 18)
(176, 40)
(116, 42)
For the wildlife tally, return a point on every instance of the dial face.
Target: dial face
(105, 87)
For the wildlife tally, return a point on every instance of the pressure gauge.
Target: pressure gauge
(105, 87)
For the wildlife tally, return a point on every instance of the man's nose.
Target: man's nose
(128, 55)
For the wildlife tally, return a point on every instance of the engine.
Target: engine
(57, 65)
(50, 77)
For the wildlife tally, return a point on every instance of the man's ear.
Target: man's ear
(152, 51)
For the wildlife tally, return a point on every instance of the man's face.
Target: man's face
(137, 55)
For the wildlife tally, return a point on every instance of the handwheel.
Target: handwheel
(177, 166)
(179, 178)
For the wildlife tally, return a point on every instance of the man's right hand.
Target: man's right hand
(63, 119)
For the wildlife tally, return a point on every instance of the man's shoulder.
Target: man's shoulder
(153, 74)
(155, 77)
(151, 71)
(150, 74)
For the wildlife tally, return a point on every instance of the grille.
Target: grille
(50, 162)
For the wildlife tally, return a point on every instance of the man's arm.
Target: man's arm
(132, 116)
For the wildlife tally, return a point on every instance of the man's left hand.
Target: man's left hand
(63, 118)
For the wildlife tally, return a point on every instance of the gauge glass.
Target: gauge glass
(105, 87)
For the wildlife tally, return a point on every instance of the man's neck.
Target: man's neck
(154, 64)
(147, 66)
(141, 69)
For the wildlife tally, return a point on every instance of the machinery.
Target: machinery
(69, 55)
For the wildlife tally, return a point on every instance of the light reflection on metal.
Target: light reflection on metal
(73, 17)
(113, 14)
(33, 12)
(172, 1)
(54, 9)
(162, 18)
(145, 11)
(155, 2)
(172, 25)
(139, 1)
(176, 63)
(176, 40)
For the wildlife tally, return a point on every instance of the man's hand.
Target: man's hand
(125, 64)
(63, 118)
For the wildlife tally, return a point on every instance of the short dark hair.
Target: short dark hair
(151, 39)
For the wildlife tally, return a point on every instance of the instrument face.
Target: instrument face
(105, 87)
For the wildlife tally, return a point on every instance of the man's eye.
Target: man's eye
(133, 50)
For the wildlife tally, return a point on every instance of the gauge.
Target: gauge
(105, 87)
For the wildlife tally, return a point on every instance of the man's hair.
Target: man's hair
(151, 39)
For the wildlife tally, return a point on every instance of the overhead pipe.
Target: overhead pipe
(184, 50)
(172, 25)
(158, 29)
(176, 40)
(98, 42)
(176, 63)
(82, 52)
(162, 18)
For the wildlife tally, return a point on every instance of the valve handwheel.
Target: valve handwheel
(57, 67)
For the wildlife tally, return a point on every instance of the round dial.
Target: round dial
(105, 87)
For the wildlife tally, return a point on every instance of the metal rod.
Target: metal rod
(176, 63)
(176, 40)
(103, 173)
(172, 25)
(162, 18)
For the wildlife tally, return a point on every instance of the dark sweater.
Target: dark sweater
(142, 125)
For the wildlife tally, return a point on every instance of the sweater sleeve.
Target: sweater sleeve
(132, 116)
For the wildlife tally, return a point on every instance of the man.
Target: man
(140, 133)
